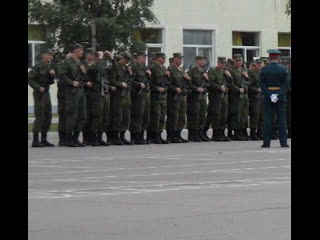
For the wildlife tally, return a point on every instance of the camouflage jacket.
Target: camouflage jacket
(177, 80)
(39, 77)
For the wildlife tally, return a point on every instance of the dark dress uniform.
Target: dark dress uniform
(39, 77)
(177, 104)
(274, 80)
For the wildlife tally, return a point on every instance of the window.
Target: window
(246, 44)
(284, 44)
(153, 37)
(33, 52)
(197, 42)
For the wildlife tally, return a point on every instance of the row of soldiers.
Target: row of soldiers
(112, 94)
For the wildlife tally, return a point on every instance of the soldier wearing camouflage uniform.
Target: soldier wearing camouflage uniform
(177, 100)
(197, 101)
(72, 76)
(255, 100)
(40, 77)
(159, 85)
(289, 100)
(239, 100)
(120, 100)
(140, 85)
(218, 100)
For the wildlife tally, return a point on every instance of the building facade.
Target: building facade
(206, 27)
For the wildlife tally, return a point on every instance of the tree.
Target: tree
(288, 8)
(101, 24)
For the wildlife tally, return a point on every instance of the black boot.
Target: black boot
(289, 133)
(178, 134)
(154, 138)
(148, 137)
(224, 137)
(123, 139)
(203, 135)
(237, 136)
(109, 136)
(92, 139)
(259, 134)
(217, 136)
(134, 138)
(70, 142)
(75, 139)
(85, 137)
(35, 142)
(230, 135)
(194, 136)
(162, 140)
(100, 140)
(44, 140)
(245, 134)
(140, 138)
(253, 134)
(115, 139)
(62, 139)
(172, 137)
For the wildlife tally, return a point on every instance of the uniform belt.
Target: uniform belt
(273, 88)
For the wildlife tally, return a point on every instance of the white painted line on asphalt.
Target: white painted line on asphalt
(157, 174)
(157, 167)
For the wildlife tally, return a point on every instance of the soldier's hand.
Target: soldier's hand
(205, 75)
(149, 73)
(200, 89)
(259, 90)
(168, 73)
(100, 53)
(223, 88)
(245, 74)
(52, 72)
(42, 89)
(124, 85)
(241, 90)
(161, 89)
(108, 54)
(178, 90)
(75, 83)
(89, 84)
(143, 86)
(113, 89)
(227, 73)
(83, 68)
(186, 76)
(130, 70)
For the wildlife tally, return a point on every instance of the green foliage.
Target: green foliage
(288, 8)
(69, 21)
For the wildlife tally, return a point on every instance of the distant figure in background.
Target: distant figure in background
(274, 84)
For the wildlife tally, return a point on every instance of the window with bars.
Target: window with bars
(195, 43)
(247, 44)
(33, 52)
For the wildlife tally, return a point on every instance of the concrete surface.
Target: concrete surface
(193, 191)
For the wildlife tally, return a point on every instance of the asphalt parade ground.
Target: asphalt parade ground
(192, 191)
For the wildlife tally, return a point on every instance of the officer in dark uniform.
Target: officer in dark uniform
(274, 84)
(40, 78)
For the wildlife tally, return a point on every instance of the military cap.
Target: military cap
(46, 51)
(200, 57)
(222, 59)
(117, 57)
(152, 54)
(160, 55)
(76, 46)
(274, 51)
(260, 60)
(134, 55)
(237, 56)
(230, 61)
(126, 55)
(141, 53)
(89, 50)
(179, 55)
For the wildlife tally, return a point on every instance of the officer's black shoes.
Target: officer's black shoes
(203, 136)
(289, 133)
(265, 145)
(284, 145)
(253, 134)
(35, 142)
(178, 134)
(259, 134)
(44, 140)
(115, 140)
(123, 139)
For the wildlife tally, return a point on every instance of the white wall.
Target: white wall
(223, 16)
